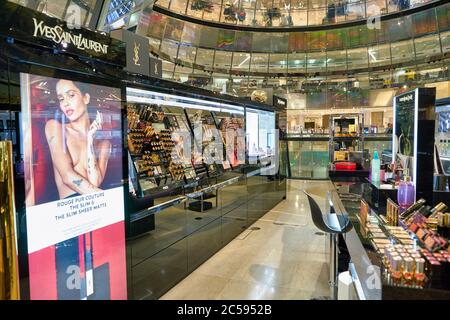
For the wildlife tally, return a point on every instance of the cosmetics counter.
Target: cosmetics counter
(394, 258)
(200, 184)
(399, 246)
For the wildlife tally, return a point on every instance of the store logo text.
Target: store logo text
(58, 35)
(406, 98)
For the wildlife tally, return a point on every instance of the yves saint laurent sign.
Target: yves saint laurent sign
(28, 26)
(58, 35)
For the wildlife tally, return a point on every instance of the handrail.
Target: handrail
(157, 208)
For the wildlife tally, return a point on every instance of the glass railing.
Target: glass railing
(286, 14)
(404, 51)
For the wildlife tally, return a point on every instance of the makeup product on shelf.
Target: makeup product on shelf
(419, 272)
(440, 207)
(392, 212)
(396, 270)
(405, 214)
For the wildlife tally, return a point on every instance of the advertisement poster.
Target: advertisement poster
(404, 114)
(74, 198)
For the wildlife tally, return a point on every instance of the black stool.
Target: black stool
(334, 225)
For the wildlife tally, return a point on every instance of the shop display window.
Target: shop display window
(424, 22)
(195, 8)
(225, 40)
(191, 34)
(400, 29)
(174, 140)
(278, 43)
(157, 25)
(317, 40)
(208, 37)
(174, 30)
(297, 42)
(336, 39)
(443, 17)
(243, 41)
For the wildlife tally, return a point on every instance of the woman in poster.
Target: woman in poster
(79, 159)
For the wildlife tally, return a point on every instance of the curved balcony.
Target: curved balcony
(408, 41)
(285, 13)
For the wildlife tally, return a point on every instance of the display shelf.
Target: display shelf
(345, 129)
(152, 149)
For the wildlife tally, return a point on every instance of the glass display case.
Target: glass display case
(158, 160)
(174, 140)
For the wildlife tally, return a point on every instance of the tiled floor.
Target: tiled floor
(284, 259)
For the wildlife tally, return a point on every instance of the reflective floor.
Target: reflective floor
(281, 256)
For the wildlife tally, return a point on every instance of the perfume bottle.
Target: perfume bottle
(406, 193)
(375, 167)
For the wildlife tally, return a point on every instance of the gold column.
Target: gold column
(9, 272)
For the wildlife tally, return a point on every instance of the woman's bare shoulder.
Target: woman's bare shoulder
(52, 126)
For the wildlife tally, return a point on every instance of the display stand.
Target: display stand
(346, 143)
(413, 138)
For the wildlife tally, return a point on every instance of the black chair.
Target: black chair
(333, 224)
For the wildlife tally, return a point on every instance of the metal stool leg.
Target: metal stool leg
(333, 265)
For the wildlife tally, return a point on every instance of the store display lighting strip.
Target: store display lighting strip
(169, 103)
(139, 95)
